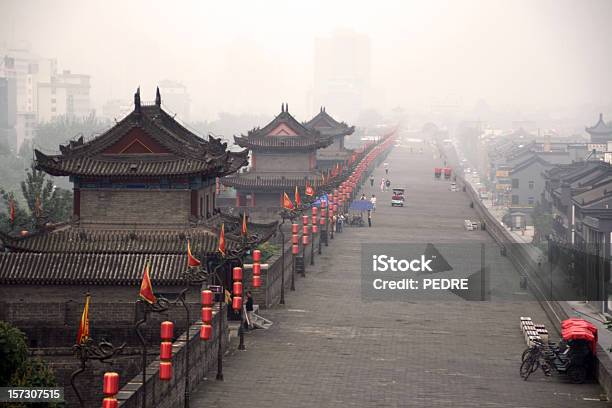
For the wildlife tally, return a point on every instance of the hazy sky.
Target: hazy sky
(252, 55)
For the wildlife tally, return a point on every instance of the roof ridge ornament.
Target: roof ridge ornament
(157, 97)
(137, 100)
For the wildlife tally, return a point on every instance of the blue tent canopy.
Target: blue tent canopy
(361, 205)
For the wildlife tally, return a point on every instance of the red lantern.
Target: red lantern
(205, 331)
(257, 255)
(237, 289)
(165, 370)
(256, 269)
(305, 230)
(256, 281)
(167, 330)
(294, 228)
(207, 314)
(305, 239)
(165, 351)
(110, 403)
(207, 297)
(295, 239)
(110, 383)
(314, 219)
(295, 249)
(315, 228)
(237, 273)
(304, 220)
(323, 212)
(236, 303)
(323, 205)
(314, 211)
(322, 221)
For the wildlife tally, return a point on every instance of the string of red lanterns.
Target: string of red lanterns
(256, 268)
(110, 388)
(237, 288)
(207, 314)
(165, 351)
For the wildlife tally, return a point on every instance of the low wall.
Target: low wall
(525, 263)
(170, 394)
(269, 293)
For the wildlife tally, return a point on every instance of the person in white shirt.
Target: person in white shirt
(373, 201)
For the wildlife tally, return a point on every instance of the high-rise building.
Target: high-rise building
(27, 70)
(65, 94)
(342, 72)
(176, 98)
(8, 114)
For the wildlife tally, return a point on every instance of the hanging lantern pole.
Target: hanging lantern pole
(315, 229)
(295, 248)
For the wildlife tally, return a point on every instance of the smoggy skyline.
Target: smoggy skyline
(248, 57)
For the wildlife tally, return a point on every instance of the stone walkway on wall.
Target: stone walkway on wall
(330, 348)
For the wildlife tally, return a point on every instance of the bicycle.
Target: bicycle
(532, 359)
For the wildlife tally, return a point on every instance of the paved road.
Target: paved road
(330, 348)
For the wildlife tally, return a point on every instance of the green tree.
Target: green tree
(13, 351)
(50, 135)
(47, 203)
(17, 370)
(34, 372)
(542, 221)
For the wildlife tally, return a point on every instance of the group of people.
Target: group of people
(385, 184)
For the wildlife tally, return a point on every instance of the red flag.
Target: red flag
(12, 210)
(146, 290)
(298, 200)
(222, 240)
(244, 224)
(287, 202)
(83, 333)
(192, 261)
(309, 190)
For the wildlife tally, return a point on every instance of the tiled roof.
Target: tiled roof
(185, 152)
(600, 127)
(327, 125)
(115, 241)
(302, 138)
(592, 196)
(89, 269)
(270, 182)
(75, 256)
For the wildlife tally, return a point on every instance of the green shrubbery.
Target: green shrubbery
(267, 251)
(17, 369)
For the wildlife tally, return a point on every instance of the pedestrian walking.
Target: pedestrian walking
(340, 223)
(386, 168)
(249, 309)
(382, 185)
(373, 201)
(387, 184)
(369, 218)
(363, 196)
(371, 181)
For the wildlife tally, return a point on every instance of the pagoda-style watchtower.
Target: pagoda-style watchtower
(283, 156)
(147, 171)
(601, 132)
(335, 153)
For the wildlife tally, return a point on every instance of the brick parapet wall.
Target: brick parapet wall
(169, 394)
